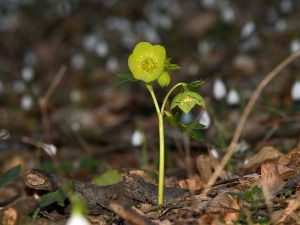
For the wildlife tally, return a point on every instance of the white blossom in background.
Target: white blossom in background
(209, 4)
(75, 126)
(186, 117)
(280, 25)
(215, 153)
(89, 42)
(50, 149)
(219, 89)
(137, 138)
(112, 64)
(77, 219)
(248, 29)
(77, 61)
(233, 97)
(295, 91)
(203, 48)
(286, 6)
(27, 73)
(294, 45)
(144, 29)
(205, 119)
(101, 48)
(26, 102)
(18, 86)
(75, 96)
(227, 14)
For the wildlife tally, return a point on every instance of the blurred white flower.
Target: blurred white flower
(215, 153)
(295, 91)
(26, 102)
(280, 25)
(101, 48)
(77, 219)
(186, 117)
(50, 149)
(205, 119)
(78, 61)
(248, 29)
(219, 89)
(89, 42)
(18, 86)
(112, 64)
(30, 58)
(286, 6)
(75, 96)
(233, 97)
(227, 14)
(27, 73)
(137, 138)
(295, 45)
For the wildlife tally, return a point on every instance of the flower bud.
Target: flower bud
(295, 91)
(219, 89)
(164, 79)
(233, 97)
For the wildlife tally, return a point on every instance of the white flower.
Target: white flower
(248, 29)
(233, 97)
(219, 89)
(26, 102)
(215, 153)
(137, 138)
(77, 219)
(295, 45)
(186, 117)
(112, 64)
(50, 149)
(27, 73)
(78, 61)
(205, 119)
(101, 49)
(295, 91)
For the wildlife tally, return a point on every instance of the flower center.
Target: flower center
(148, 63)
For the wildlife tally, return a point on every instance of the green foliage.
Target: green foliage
(170, 66)
(57, 196)
(108, 178)
(255, 198)
(10, 175)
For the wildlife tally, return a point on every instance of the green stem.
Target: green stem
(160, 113)
(161, 174)
(168, 94)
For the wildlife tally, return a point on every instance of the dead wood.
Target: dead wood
(131, 189)
(13, 213)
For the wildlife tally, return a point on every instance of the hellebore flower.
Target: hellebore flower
(147, 61)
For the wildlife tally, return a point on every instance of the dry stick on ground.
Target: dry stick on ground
(43, 101)
(245, 115)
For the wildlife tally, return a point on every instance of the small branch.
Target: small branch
(128, 214)
(246, 113)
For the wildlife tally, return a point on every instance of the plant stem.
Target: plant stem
(160, 115)
(161, 174)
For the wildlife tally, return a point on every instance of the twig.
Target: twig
(246, 113)
(43, 101)
(127, 213)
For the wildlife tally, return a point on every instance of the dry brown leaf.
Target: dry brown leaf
(292, 206)
(190, 184)
(229, 217)
(270, 179)
(266, 153)
(204, 167)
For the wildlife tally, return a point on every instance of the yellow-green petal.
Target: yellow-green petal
(147, 61)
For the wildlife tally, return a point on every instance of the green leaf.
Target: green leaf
(108, 178)
(196, 134)
(57, 196)
(196, 83)
(187, 100)
(247, 196)
(169, 65)
(10, 175)
(172, 120)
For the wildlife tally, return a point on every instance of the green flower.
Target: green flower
(147, 61)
